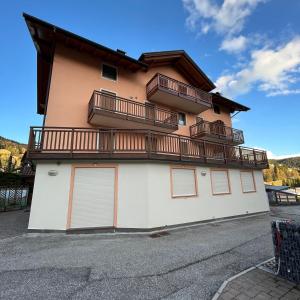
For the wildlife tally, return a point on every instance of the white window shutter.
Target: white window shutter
(184, 182)
(93, 198)
(247, 179)
(220, 182)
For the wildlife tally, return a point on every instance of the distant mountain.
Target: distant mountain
(291, 162)
(11, 153)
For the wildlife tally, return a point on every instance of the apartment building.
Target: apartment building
(133, 144)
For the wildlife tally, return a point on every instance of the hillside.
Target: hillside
(283, 172)
(291, 162)
(11, 153)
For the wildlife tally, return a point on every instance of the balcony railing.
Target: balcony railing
(89, 143)
(103, 103)
(178, 87)
(215, 130)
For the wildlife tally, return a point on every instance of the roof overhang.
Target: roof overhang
(45, 36)
(183, 62)
(232, 105)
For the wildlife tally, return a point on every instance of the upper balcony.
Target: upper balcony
(125, 144)
(216, 132)
(110, 111)
(174, 93)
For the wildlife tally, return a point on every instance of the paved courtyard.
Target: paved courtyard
(260, 285)
(187, 264)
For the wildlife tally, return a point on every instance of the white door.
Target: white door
(93, 198)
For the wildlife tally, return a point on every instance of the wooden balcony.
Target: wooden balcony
(216, 132)
(171, 92)
(122, 144)
(110, 111)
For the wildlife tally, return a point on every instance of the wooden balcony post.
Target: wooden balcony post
(204, 151)
(224, 154)
(30, 139)
(111, 142)
(241, 155)
(254, 156)
(72, 141)
(149, 143)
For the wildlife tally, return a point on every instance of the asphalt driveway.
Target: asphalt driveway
(187, 264)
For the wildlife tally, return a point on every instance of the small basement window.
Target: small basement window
(247, 181)
(217, 109)
(183, 182)
(109, 72)
(181, 119)
(220, 182)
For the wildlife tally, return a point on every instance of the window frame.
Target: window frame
(218, 108)
(182, 113)
(228, 181)
(195, 181)
(112, 66)
(253, 179)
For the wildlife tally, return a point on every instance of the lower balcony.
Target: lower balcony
(110, 111)
(118, 144)
(217, 132)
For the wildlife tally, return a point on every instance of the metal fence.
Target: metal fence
(13, 197)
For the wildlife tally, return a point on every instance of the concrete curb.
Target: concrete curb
(224, 284)
(116, 233)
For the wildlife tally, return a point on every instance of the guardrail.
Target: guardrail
(90, 143)
(146, 113)
(174, 86)
(213, 129)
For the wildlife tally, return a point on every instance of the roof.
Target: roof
(46, 35)
(217, 98)
(183, 62)
(276, 188)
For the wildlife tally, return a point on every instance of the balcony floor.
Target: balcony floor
(176, 100)
(111, 119)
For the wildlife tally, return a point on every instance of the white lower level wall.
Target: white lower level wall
(144, 197)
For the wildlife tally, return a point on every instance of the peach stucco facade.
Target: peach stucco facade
(75, 75)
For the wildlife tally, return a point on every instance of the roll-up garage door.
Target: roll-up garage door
(93, 198)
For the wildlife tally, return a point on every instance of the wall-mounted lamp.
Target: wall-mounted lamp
(52, 172)
(203, 173)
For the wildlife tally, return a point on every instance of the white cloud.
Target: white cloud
(273, 70)
(234, 45)
(228, 18)
(271, 155)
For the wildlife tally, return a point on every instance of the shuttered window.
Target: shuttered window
(183, 182)
(93, 198)
(247, 180)
(220, 182)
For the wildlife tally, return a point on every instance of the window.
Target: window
(217, 109)
(247, 181)
(109, 72)
(181, 119)
(183, 182)
(220, 182)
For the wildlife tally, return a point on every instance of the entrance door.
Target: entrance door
(93, 197)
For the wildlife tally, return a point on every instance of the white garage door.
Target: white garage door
(93, 198)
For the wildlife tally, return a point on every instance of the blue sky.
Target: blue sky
(249, 48)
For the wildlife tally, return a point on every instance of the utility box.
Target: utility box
(286, 240)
